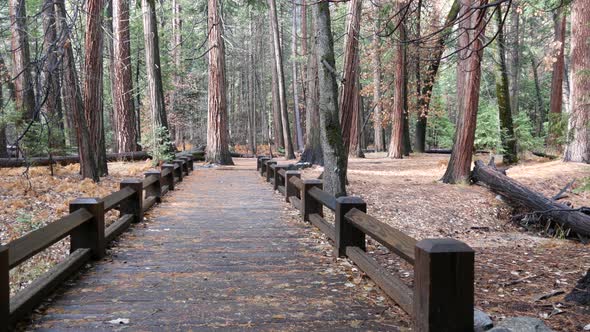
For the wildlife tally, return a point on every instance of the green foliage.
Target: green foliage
(523, 130)
(556, 127)
(440, 131)
(42, 139)
(487, 134)
(157, 143)
(584, 186)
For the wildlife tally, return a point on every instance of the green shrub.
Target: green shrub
(523, 130)
(440, 132)
(158, 144)
(487, 133)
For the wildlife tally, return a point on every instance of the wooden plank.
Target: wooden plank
(34, 242)
(393, 239)
(165, 190)
(281, 189)
(323, 225)
(26, 300)
(118, 227)
(323, 197)
(297, 182)
(148, 203)
(113, 200)
(165, 172)
(150, 180)
(282, 172)
(390, 284)
(296, 202)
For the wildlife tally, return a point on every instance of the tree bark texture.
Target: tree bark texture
(153, 67)
(21, 61)
(298, 130)
(503, 97)
(72, 97)
(276, 108)
(126, 134)
(468, 81)
(217, 129)
(350, 86)
(430, 76)
(93, 85)
(578, 148)
(556, 97)
(278, 58)
(335, 158)
(396, 145)
(313, 152)
(379, 142)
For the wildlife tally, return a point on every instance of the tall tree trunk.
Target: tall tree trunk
(278, 58)
(396, 145)
(540, 107)
(556, 99)
(126, 134)
(503, 97)
(251, 88)
(177, 60)
(335, 158)
(313, 143)
(578, 148)
(217, 130)
(430, 76)
(379, 142)
(138, 95)
(356, 145)
(51, 79)
(21, 61)
(298, 130)
(350, 89)
(73, 99)
(304, 53)
(468, 81)
(108, 26)
(276, 108)
(93, 85)
(516, 51)
(154, 69)
(3, 140)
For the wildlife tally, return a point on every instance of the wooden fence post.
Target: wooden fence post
(269, 169)
(133, 205)
(260, 164)
(346, 234)
(155, 189)
(308, 204)
(190, 162)
(188, 168)
(183, 168)
(90, 234)
(179, 170)
(443, 286)
(277, 176)
(169, 179)
(4, 288)
(290, 189)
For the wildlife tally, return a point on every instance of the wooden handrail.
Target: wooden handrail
(297, 182)
(38, 240)
(113, 200)
(323, 197)
(85, 226)
(391, 238)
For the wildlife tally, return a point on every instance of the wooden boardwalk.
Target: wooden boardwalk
(219, 253)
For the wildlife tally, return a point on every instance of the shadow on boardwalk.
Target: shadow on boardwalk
(218, 253)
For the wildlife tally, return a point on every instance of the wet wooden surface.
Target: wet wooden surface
(219, 253)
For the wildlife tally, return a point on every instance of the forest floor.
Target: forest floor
(514, 267)
(31, 199)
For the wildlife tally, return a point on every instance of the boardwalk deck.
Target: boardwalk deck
(219, 253)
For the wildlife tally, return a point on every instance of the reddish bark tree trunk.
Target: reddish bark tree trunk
(578, 149)
(396, 145)
(350, 86)
(123, 83)
(93, 87)
(468, 80)
(217, 130)
(21, 60)
(556, 101)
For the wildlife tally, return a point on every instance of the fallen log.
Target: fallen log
(522, 196)
(544, 155)
(67, 160)
(449, 151)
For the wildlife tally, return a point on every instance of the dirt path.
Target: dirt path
(221, 252)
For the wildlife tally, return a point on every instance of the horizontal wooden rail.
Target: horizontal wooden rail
(88, 235)
(442, 298)
(113, 200)
(323, 197)
(391, 238)
(38, 240)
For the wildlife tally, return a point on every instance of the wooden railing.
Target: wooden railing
(442, 297)
(85, 225)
